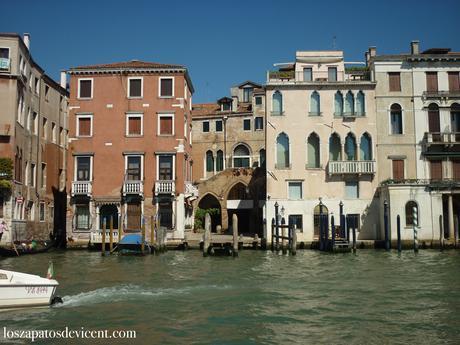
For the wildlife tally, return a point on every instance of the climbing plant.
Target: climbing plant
(200, 213)
(6, 173)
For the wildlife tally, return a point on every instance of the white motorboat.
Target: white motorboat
(25, 290)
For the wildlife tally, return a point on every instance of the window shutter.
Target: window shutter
(398, 169)
(135, 88)
(134, 124)
(454, 81)
(395, 81)
(85, 126)
(432, 81)
(433, 121)
(166, 87)
(436, 170)
(85, 88)
(166, 125)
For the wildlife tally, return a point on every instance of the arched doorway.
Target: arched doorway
(105, 213)
(316, 214)
(207, 202)
(239, 202)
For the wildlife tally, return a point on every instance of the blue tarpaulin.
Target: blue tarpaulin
(131, 239)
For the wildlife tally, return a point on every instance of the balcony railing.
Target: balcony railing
(442, 138)
(315, 77)
(351, 167)
(441, 94)
(96, 236)
(165, 187)
(82, 188)
(190, 190)
(133, 187)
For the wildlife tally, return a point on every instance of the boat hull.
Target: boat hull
(26, 296)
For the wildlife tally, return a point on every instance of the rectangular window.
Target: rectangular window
(396, 123)
(83, 170)
(133, 168)
(307, 74)
(53, 132)
(34, 124)
(456, 169)
(295, 190)
(351, 189)
(398, 169)
(61, 136)
(43, 176)
(166, 87)
(82, 217)
(4, 59)
(32, 175)
(436, 170)
(247, 124)
(247, 94)
(259, 123)
(42, 211)
(134, 125)
(332, 74)
(258, 100)
(37, 86)
(166, 124)
(85, 88)
(296, 219)
(47, 93)
(84, 125)
(394, 79)
(454, 81)
(44, 128)
(205, 126)
(431, 81)
(135, 87)
(219, 126)
(165, 167)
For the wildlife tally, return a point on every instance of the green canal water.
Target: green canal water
(372, 297)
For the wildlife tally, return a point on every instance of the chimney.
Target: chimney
(235, 103)
(26, 40)
(366, 55)
(415, 47)
(372, 51)
(63, 79)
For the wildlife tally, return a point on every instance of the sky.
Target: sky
(223, 43)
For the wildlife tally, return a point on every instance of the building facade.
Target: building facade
(130, 156)
(33, 130)
(418, 110)
(321, 137)
(229, 152)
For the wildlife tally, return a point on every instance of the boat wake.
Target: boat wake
(125, 293)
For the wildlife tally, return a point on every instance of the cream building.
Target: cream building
(320, 135)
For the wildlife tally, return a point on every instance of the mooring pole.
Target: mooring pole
(111, 235)
(273, 234)
(414, 225)
(152, 231)
(441, 233)
(283, 237)
(207, 234)
(277, 229)
(332, 232)
(385, 222)
(120, 228)
(103, 236)
(294, 240)
(341, 220)
(235, 234)
(398, 228)
(354, 235)
(143, 235)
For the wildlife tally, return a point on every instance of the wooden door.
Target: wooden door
(436, 169)
(434, 125)
(133, 214)
(456, 169)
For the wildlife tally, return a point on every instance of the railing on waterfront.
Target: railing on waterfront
(442, 137)
(351, 167)
(81, 188)
(165, 187)
(133, 187)
(96, 236)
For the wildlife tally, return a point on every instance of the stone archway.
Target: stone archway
(239, 202)
(210, 201)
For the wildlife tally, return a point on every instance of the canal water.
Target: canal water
(373, 297)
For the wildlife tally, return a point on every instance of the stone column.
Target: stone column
(451, 218)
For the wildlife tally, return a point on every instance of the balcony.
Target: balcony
(298, 77)
(82, 188)
(131, 187)
(190, 190)
(165, 187)
(351, 167)
(441, 138)
(445, 94)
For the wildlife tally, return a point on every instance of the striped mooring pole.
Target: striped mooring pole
(415, 223)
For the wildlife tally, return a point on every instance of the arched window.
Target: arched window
(313, 151)
(315, 107)
(219, 161)
(338, 103)
(349, 103)
(365, 148)
(434, 125)
(262, 157)
(319, 209)
(241, 157)
(360, 104)
(238, 192)
(335, 148)
(282, 151)
(209, 161)
(350, 147)
(410, 205)
(277, 107)
(396, 119)
(455, 119)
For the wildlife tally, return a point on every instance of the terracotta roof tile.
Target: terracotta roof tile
(129, 64)
(207, 109)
